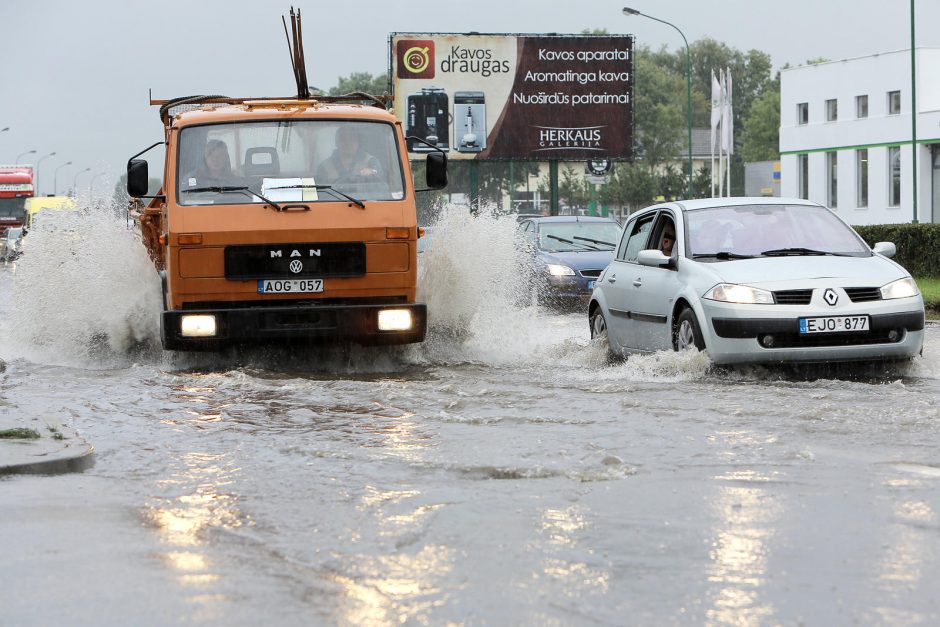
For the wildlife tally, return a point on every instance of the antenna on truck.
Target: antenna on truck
(295, 47)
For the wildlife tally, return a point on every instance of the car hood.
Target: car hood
(781, 272)
(580, 260)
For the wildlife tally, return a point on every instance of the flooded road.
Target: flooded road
(502, 473)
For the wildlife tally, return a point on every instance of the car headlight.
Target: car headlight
(555, 269)
(730, 293)
(902, 288)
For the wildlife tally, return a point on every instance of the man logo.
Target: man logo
(296, 266)
(415, 58)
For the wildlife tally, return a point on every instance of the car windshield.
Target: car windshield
(568, 236)
(288, 161)
(770, 230)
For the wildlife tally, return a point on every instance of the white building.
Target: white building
(846, 136)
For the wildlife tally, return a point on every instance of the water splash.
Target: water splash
(84, 289)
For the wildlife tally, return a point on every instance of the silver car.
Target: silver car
(755, 280)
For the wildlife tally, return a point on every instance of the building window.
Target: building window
(803, 174)
(861, 106)
(861, 177)
(832, 110)
(832, 163)
(894, 102)
(894, 176)
(802, 113)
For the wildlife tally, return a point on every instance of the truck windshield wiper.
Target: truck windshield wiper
(594, 241)
(723, 254)
(568, 241)
(782, 252)
(224, 189)
(329, 188)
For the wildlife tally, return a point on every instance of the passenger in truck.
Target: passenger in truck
(349, 163)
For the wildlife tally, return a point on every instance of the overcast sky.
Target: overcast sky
(77, 73)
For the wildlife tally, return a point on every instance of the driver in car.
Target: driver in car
(349, 162)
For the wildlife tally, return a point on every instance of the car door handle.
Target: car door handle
(612, 278)
(637, 282)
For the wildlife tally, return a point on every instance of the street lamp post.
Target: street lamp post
(91, 189)
(23, 154)
(55, 178)
(688, 58)
(75, 181)
(36, 175)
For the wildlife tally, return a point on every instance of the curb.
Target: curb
(58, 449)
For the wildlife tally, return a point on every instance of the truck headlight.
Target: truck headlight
(394, 320)
(555, 269)
(742, 294)
(902, 288)
(197, 325)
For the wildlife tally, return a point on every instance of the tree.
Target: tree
(761, 135)
(361, 81)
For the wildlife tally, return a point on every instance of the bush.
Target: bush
(918, 245)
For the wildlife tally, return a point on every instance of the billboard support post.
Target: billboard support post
(553, 186)
(474, 186)
(512, 186)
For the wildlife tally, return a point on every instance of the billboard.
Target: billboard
(524, 97)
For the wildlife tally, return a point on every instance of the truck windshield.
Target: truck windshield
(12, 208)
(289, 161)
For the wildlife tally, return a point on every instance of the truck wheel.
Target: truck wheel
(686, 333)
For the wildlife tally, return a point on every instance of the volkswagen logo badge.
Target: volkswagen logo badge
(830, 297)
(296, 266)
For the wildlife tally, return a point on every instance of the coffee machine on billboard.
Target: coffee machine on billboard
(428, 118)
(469, 121)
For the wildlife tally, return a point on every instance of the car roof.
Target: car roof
(735, 201)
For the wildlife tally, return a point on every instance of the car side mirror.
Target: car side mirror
(137, 178)
(653, 258)
(436, 170)
(885, 249)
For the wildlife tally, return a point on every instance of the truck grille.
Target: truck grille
(793, 297)
(295, 261)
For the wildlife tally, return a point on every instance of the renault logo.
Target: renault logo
(296, 266)
(829, 296)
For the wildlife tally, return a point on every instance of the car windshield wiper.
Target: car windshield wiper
(594, 241)
(722, 254)
(782, 252)
(224, 189)
(568, 241)
(329, 188)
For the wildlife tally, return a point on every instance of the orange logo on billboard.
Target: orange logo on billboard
(416, 58)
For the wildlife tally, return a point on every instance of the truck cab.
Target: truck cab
(284, 220)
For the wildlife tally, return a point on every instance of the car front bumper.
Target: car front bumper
(735, 334)
(301, 324)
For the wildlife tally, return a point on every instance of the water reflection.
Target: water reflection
(562, 529)
(198, 505)
(747, 516)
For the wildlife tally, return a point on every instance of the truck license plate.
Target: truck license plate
(291, 286)
(834, 324)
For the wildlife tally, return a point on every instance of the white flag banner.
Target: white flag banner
(716, 109)
(727, 119)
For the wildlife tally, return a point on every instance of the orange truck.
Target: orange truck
(284, 219)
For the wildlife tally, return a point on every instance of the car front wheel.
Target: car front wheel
(687, 334)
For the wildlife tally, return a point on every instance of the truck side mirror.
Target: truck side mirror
(137, 178)
(436, 170)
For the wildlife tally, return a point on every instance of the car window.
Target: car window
(665, 226)
(635, 237)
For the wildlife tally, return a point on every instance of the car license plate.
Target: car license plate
(833, 324)
(590, 285)
(291, 286)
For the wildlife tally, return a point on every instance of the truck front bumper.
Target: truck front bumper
(357, 324)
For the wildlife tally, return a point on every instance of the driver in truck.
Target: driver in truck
(217, 167)
(349, 162)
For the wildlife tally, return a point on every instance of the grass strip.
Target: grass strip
(19, 434)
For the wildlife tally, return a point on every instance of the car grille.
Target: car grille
(795, 340)
(863, 294)
(590, 274)
(793, 297)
